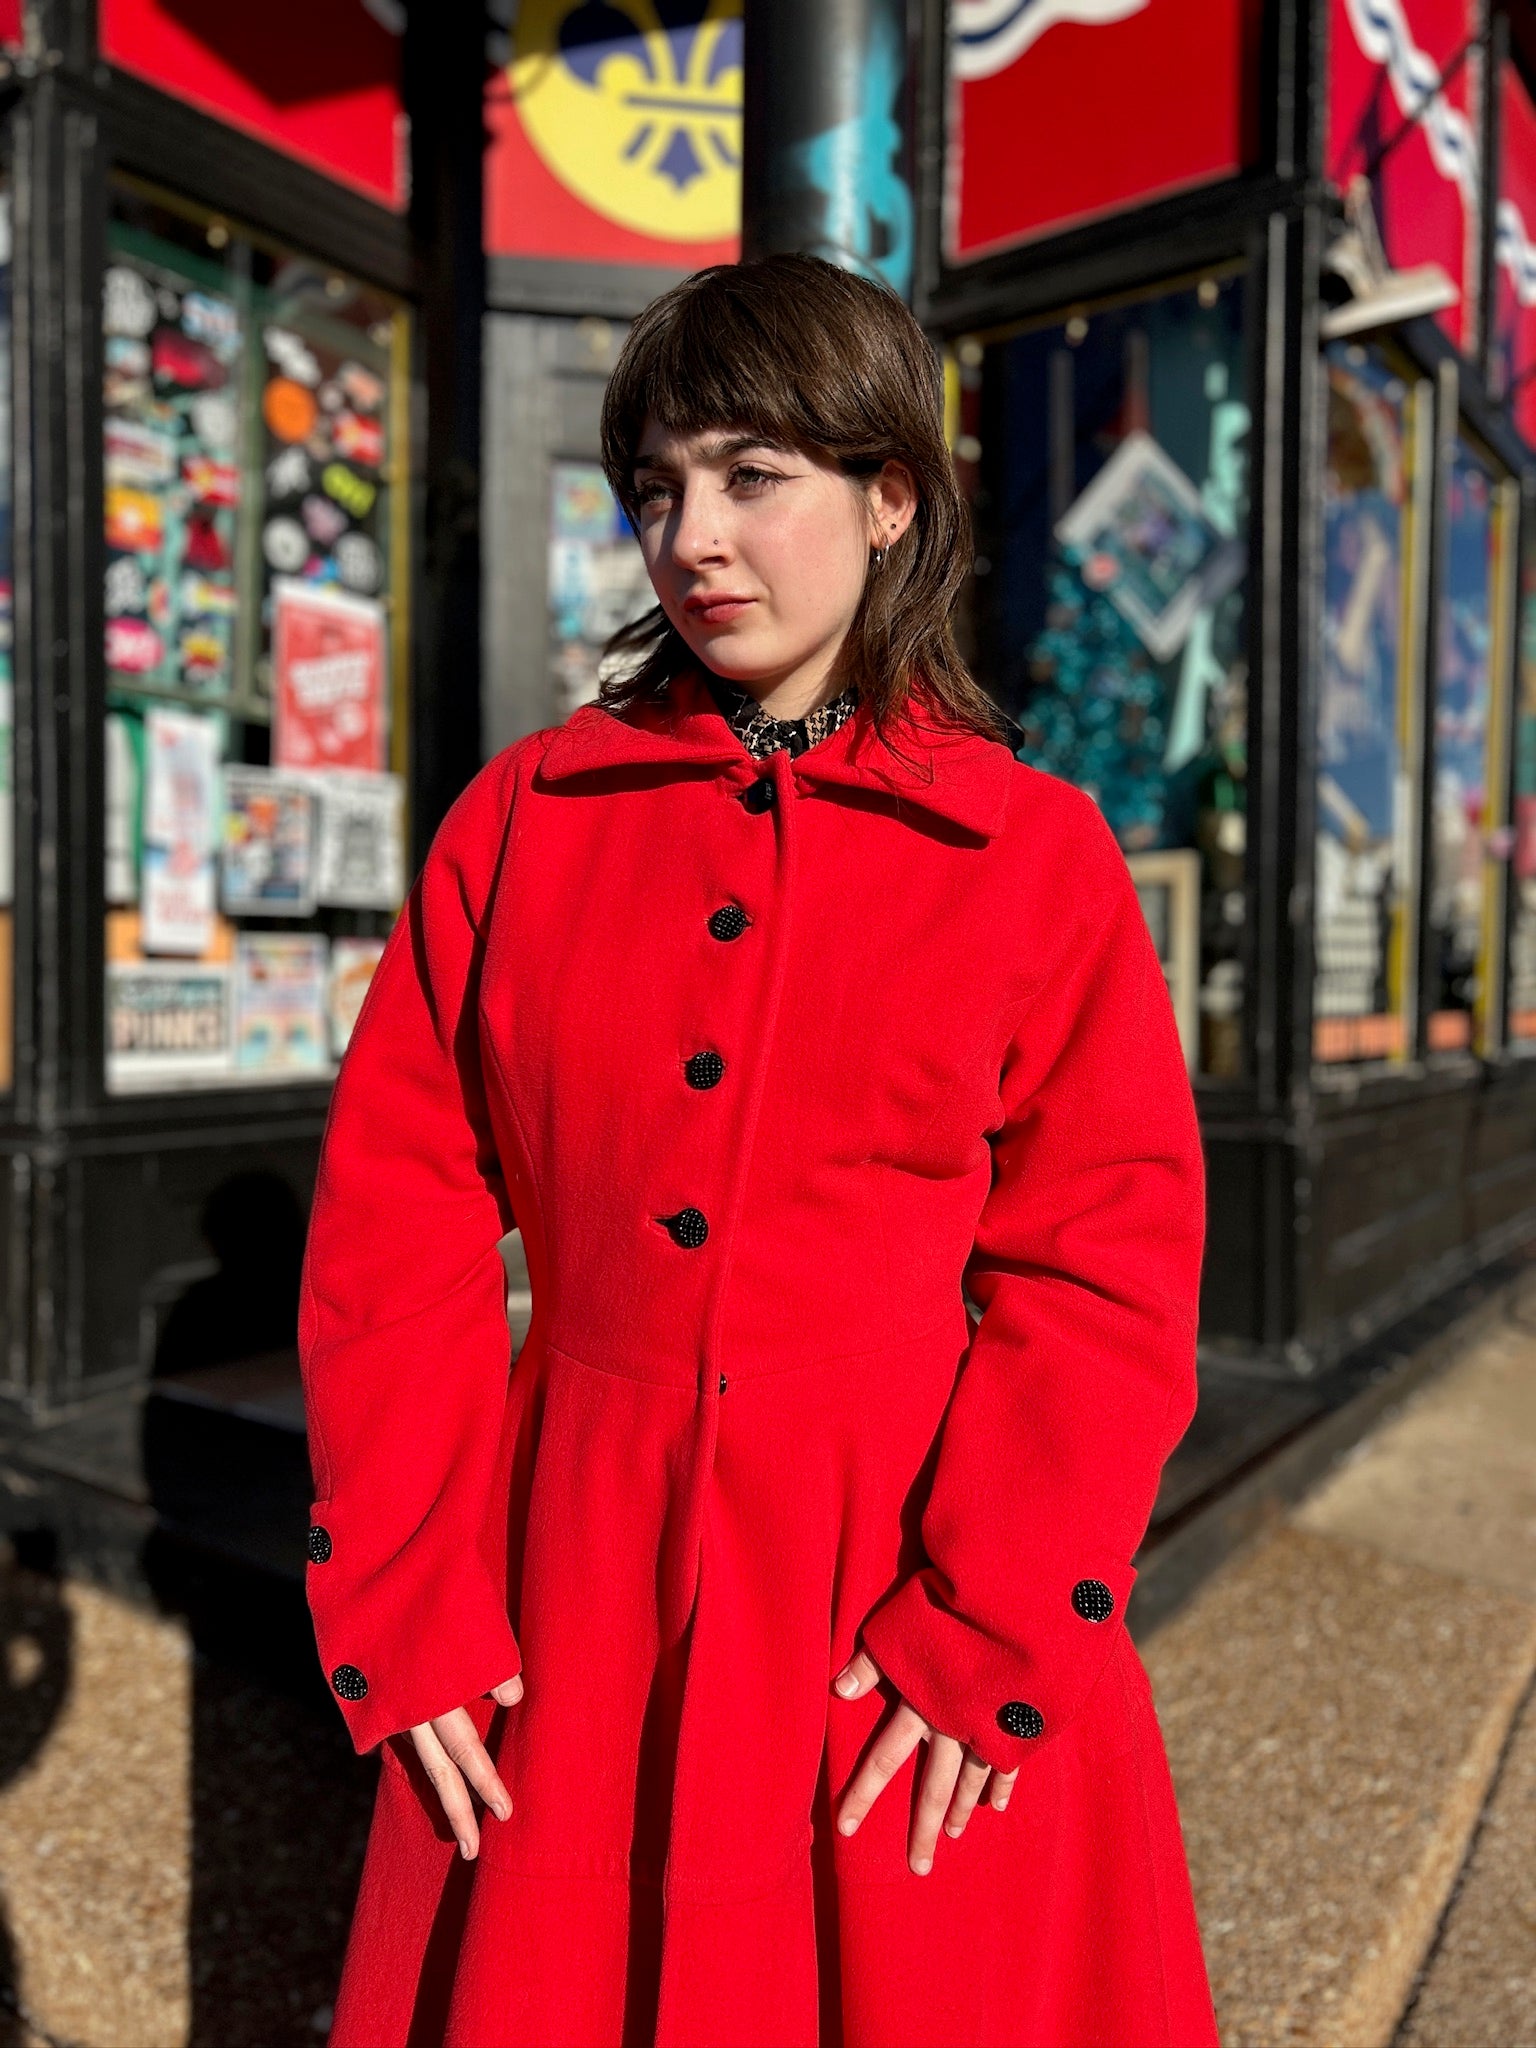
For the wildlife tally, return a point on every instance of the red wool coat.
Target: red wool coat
(766, 1059)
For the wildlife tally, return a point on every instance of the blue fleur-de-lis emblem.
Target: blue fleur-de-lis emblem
(682, 116)
(637, 106)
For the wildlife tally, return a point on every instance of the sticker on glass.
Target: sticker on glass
(285, 545)
(288, 409)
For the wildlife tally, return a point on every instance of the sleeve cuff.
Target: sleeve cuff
(1002, 1702)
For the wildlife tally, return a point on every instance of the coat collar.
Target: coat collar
(962, 777)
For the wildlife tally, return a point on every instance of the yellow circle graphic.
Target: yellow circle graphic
(639, 118)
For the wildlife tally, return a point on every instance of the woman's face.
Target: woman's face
(759, 555)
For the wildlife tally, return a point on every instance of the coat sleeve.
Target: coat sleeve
(1080, 1376)
(403, 1334)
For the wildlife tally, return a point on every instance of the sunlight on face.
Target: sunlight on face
(759, 555)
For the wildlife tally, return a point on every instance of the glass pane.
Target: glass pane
(253, 600)
(1365, 786)
(1522, 936)
(1463, 677)
(1112, 520)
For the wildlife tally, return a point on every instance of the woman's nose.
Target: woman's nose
(699, 536)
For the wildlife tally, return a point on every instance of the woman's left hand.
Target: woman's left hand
(953, 1782)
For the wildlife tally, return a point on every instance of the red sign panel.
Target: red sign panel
(1065, 110)
(10, 23)
(1402, 113)
(1514, 250)
(317, 79)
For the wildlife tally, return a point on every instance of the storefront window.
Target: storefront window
(597, 579)
(1462, 882)
(1368, 696)
(1111, 468)
(255, 627)
(1522, 934)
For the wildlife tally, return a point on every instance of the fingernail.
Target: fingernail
(846, 1827)
(502, 1809)
(845, 1683)
(464, 1851)
(923, 1865)
(952, 1833)
(1002, 1806)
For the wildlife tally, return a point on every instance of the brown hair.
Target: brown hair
(809, 357)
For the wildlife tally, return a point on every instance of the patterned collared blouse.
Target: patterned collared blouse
(761, 733)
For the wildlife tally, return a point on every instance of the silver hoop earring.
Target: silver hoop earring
(879, 561)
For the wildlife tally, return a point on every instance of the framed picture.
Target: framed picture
(1168, 883)
(1142, 536)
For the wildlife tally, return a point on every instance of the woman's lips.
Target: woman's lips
(717, 611)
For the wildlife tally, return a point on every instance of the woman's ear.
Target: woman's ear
(892, 503)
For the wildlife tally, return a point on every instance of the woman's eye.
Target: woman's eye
(753, 479)
(653, 492)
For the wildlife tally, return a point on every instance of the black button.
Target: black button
(319, 1545)
(349, 1682)
(759, 795)
(722, 1383)
(1093, 1600)
(1019, 1718)
(728, 922)
(688, 1227)
(704, 1069)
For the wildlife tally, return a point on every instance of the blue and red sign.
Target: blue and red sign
(1062, 111)
(1403, 98)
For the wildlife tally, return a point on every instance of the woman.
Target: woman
(772, 998)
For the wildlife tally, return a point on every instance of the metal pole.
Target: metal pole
(827, 161)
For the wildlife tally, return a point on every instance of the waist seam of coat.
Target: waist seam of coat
(740, 1378)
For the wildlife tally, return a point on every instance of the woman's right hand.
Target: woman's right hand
(456, 1761)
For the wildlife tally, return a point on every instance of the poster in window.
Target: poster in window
(597, 579)
(329, 674)
(268, 853)
(281, 1026)
(1141, 534)
(353, 963)
(167, 1023)
(125, 788)
(1168, 888)
(362, 854)
(181, 799)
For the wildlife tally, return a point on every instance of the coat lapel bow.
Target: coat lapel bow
(959, 777)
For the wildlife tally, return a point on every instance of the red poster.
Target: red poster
(10, 23)
(614, 139)
(328, 678)
(1392, 120)
(1514, 250)
(317, 79)
(1065, 110)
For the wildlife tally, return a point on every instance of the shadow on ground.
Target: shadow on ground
(35, 1663)
(280, 1808)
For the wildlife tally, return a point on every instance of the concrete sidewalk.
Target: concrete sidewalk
(1348, 1712)
(1347, 1705)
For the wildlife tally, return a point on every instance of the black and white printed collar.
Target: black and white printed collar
(761, 733)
